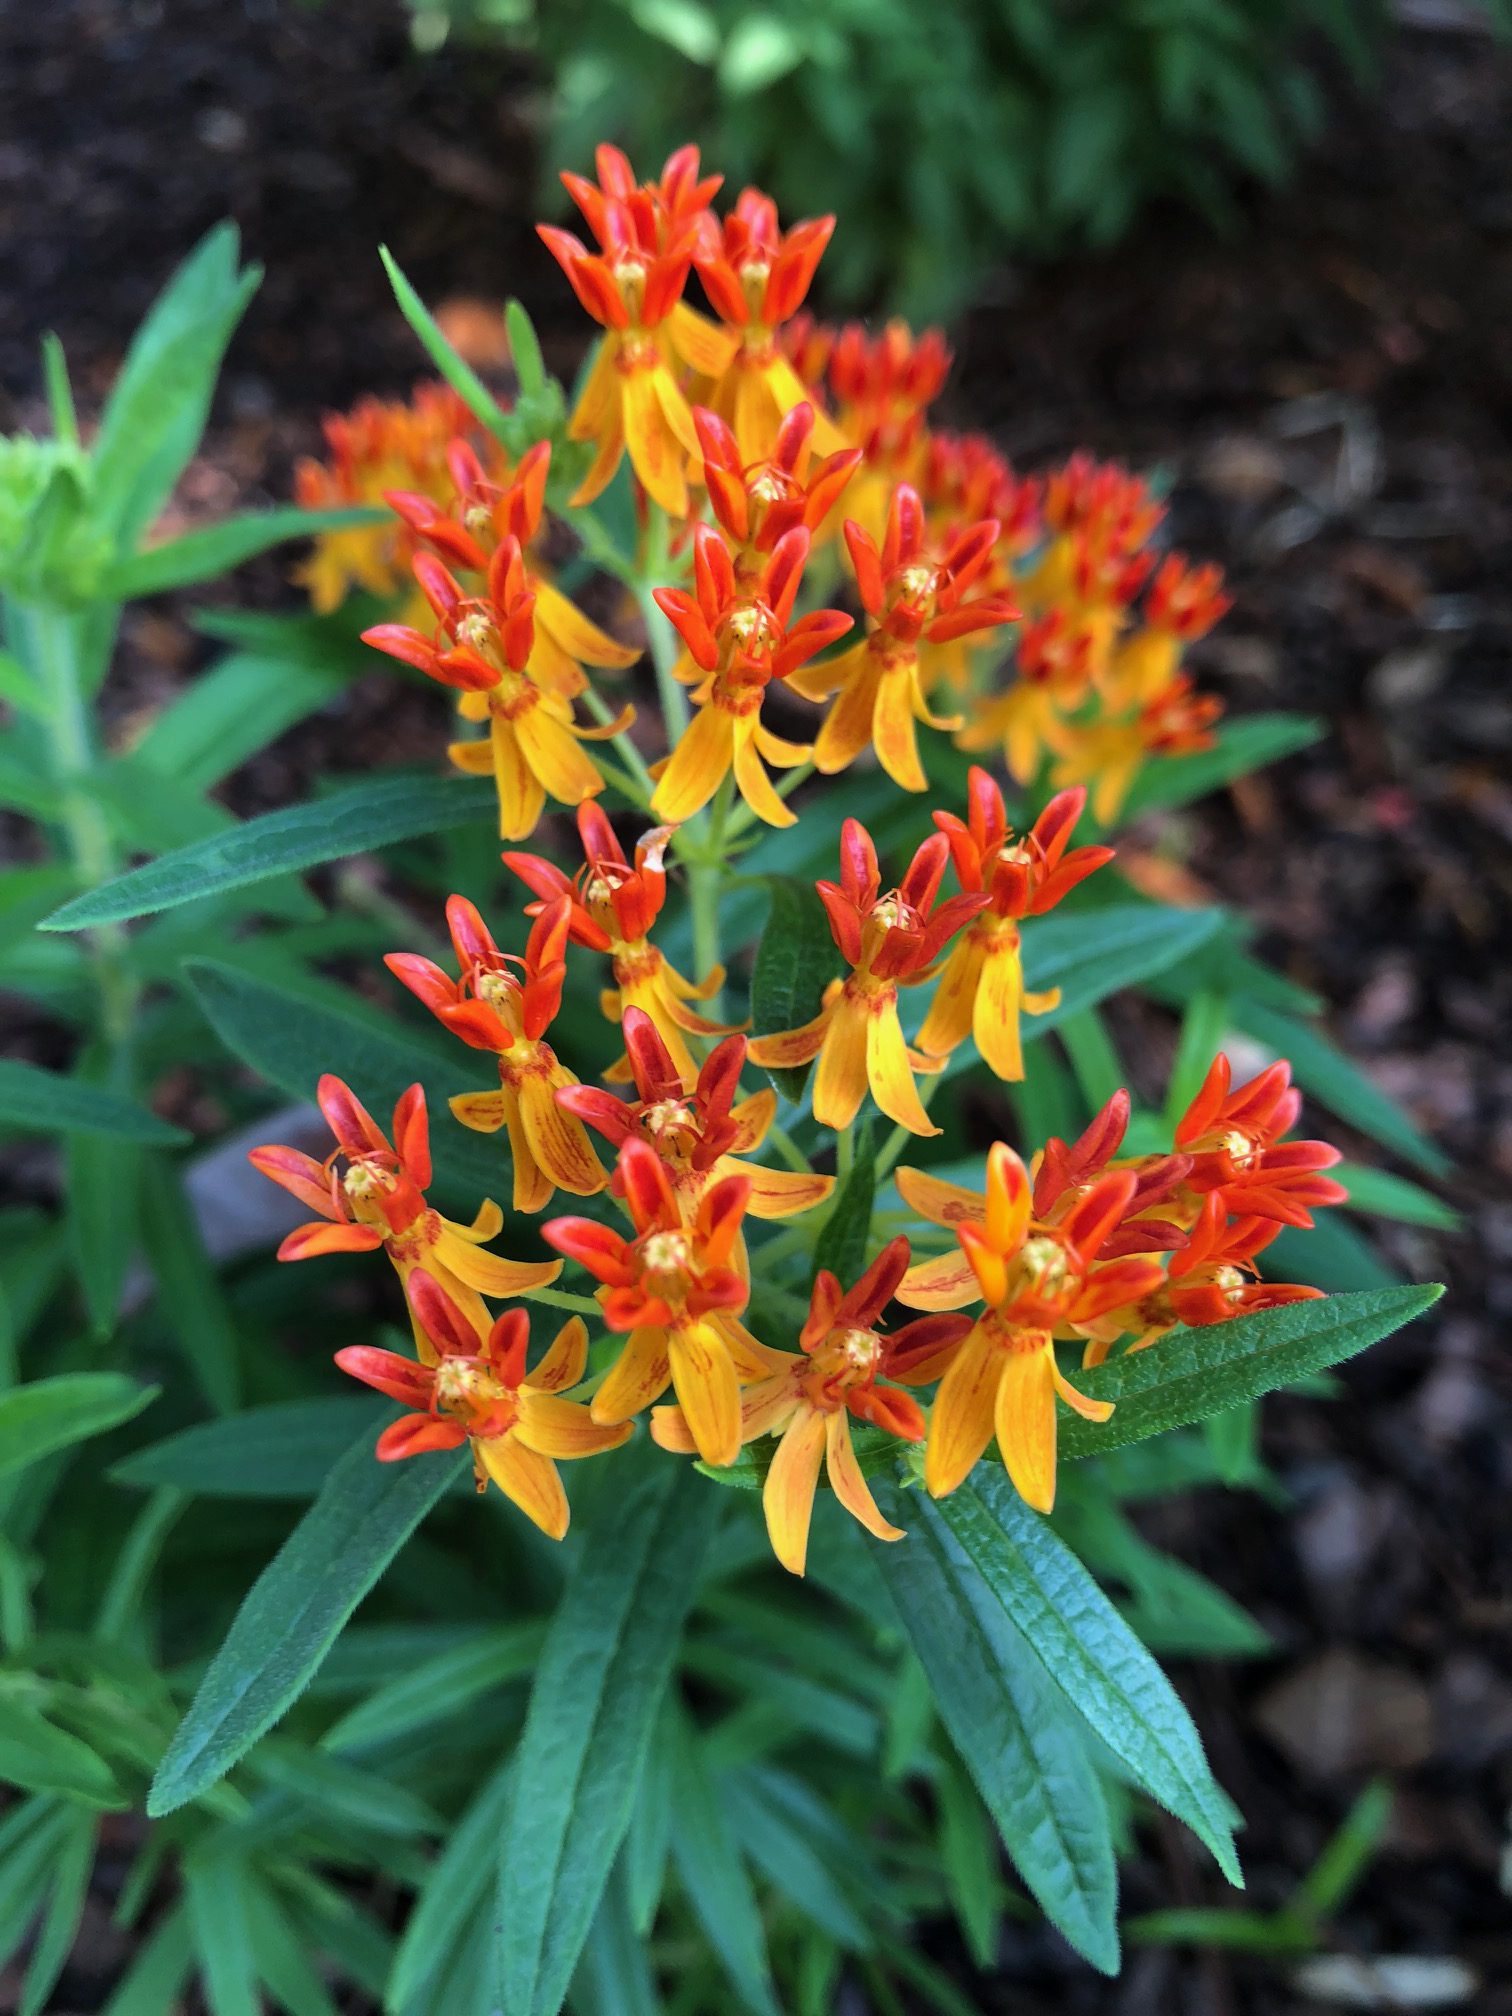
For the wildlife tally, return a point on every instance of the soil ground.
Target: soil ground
(1332, 401)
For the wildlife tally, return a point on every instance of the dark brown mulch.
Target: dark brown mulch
(1333, 401)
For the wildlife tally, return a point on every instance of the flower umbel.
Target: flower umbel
(889, 941)
(378, 1199)
(505, 1004)
(474, 1387)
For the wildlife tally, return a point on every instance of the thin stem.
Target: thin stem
(744, 817)
(845, 1151)
(900, 1137)
(704, 876)
(665, 646)
(637, 785)
(558, 1298)
(789, 1150)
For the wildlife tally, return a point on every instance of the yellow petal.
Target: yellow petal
(840, 1080)
(995, 1014)
(940, 1202)
(528, 1479)
(573, 633)
(846, 1480)
(1025, 1421)
(521, 798)
(557, 757)
(791, 1046)
(701, 343)
(752, 1118)
(948, 1022)
(641, 1373)
(893, 729)
(779, 1193)
(755, 786)
(697, 765)
(847, 727)
(787, 1497)
(960, 1423)
(566, 1360)
(475, 758)
(488, 1223)
(670, 1431)
(751, 1358)
(707, 1390)
(770, 1404)
(564, 1430)
(1081, 1403)
(489, 1273)
(889, 1074)
(483, 1112)
(558, 1140)
(655, 453)
(946, 1282)
(823, 676)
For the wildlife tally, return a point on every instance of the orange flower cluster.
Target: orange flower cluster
(775, 449)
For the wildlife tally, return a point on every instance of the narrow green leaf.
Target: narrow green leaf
(290, 1041)
(286, 1450)
(295, 1612)
(968, 1856)
(460, 375)
(1241, 746)
(227, 714)
(157, 408)
(60, 399)
(216, 1893)
(1009, 1723)
(189, 1299)
(462, 1873)
(794, 960)
(39, 1757)
(439, 1687)
(215, 550)
(816, 1873)
(280, 1957)
(614, 1976)
(46, 1415)
(1191, 1374)
(21, 690)
(39, 1101)
(328, 1784)
(1091, 954)
(1204, 1023)
(372, 814)
(1329, 1254)
(159, 1973)
(1090, 1652)
(1383, 1195)
(643, 1859)
(598, 1688)
(103, 1189)
(713, 1875)
(846, 1232)
(61, 1924)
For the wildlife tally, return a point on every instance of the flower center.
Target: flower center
(468, 1392)
(1043, 1265)
(666, 1259)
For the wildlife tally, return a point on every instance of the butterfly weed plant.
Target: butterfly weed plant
(757, 1301)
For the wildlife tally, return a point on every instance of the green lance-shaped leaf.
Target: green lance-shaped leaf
(1191, 1374)
(34, 1100)
(46, 1415)
(204, 555)
(1009, 1723)
(283, 1451)
(598, 1687)
(376, 813)
(794, 960)
(1239, 748)
(295, 1612)
(39, 1757)
(1089, 1651)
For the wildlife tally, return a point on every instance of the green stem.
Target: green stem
(744, 817)
(845, 1151)
(558, 1298)
(789, 1150)
(73, 752)
(704, 876)
(665, 646)
(636, 783)
(900, 1137)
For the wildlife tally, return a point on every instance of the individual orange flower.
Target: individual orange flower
(882, 385)
(981, 991)
(808, 1402)
(474, 1387)
(758, 503)
(1233, 1136)
(756, 276)
(673, 1287)
(915, 604)
(739, 638)
(614, 905)
(483, 647)
(1052, 673)
(1181, 604)
(1109, 753)
(481, 514)
(1211, 1278)
(633, 286)
(1065, 1171)
(379, 1200)
(379, 446)
(700, 1135)
(1037, 1279)
(505, 1004)
(889, 941)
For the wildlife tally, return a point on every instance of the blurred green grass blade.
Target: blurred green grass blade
(188, 1298)
(461, 377)
(461, 1876)
(376, 813)
(215, 1890)
(1381, 1195)
(294, 1613)
(713, 1875)
(1191, 1374)
(235, 709)
(206, 554)
(598, 1689)
(1008, 1721)
(46, 1415)
(37, 1756)
(60, 1924)
(285, 1450)
(35, 1100)
(1090, 1652)
(1241, 746)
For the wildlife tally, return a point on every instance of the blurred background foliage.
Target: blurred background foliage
(946, 136)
